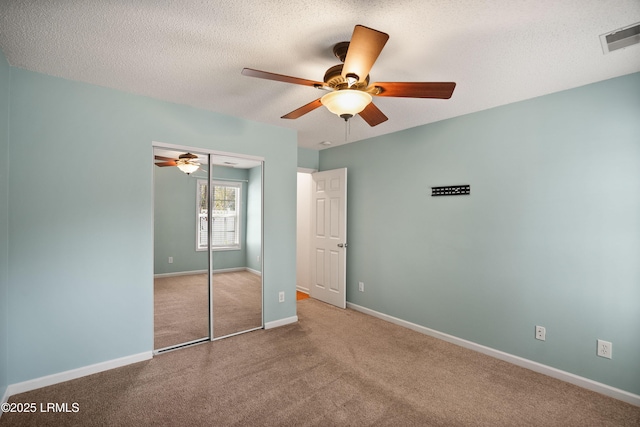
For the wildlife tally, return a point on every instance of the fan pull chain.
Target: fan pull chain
(346, 125)
(347, 129)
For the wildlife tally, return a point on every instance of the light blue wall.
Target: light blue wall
(550, 234)
(80, 217)
(309, 159)
(254, 220)
(175, 222)
(5, 76)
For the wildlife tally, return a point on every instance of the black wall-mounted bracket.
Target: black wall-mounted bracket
(451, 190)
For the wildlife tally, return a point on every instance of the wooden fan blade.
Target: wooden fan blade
(441, 90)
(303, 110)
(166, 159)
(372, 115)
(364, 48)
(250, 72)
(171, 163)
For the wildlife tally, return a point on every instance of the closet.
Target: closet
(207, 245)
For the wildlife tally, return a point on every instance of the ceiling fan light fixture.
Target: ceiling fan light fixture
(346, 102)
(187, 166)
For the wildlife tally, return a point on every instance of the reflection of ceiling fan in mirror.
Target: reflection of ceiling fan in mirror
(348, 84)
(187, 163)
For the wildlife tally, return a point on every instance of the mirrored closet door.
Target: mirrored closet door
(207, 279)
(236, 244)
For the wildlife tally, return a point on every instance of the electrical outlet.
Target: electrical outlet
(170, 260)
(361, 286)
(605, 349)
(541, 333)
(258, 258)
(281, 297)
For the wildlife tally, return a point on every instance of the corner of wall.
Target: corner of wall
(307, 158)
(5, 81)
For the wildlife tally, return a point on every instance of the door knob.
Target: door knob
(342, 245)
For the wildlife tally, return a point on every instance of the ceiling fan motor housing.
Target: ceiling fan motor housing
(334, 79)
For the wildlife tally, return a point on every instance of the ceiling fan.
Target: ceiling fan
(350, 92)
(187, 163)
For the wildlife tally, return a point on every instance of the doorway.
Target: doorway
(207, 245)
(303, 232)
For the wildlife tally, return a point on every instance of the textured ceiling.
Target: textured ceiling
(192, 52)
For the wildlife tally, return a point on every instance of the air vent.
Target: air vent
(620, 38)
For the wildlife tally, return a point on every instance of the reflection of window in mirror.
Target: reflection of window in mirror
(226, 215)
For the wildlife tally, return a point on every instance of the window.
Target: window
(225, 215)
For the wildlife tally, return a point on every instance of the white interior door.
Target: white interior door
(329, 234)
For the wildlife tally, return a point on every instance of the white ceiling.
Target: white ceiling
(192, 52)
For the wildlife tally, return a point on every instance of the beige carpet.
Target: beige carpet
(237, 302)
(334, 367)
(180, 309)
(181, 306)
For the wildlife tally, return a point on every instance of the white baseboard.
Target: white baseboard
(229, 270)
(179, 273)
(256, 272)
(303, 289)
(281, 322)
(5, 398)
(74, 373)
(607, 390)
(192, 272)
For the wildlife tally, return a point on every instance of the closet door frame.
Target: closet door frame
(212, 153)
